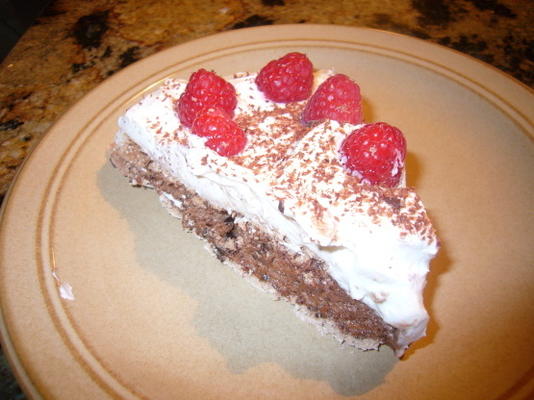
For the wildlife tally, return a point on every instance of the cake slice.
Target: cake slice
(280, 176)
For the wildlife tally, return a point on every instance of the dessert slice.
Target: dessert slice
(277, 172)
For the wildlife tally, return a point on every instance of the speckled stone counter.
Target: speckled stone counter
(76, 45)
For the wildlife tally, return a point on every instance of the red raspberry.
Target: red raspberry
(224, 135)
(375, 153)
(337, 98)
(287, 79)
(205, 89)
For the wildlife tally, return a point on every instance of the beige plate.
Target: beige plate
(151, 315)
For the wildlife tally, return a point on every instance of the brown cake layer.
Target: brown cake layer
(300, 278)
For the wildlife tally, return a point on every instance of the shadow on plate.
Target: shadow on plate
(247, 326)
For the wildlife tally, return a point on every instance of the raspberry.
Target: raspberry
(287, 79)
(224, 135)
(375, 153)
(205, 89)
(337, 98)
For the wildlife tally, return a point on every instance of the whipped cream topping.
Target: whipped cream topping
(377, 242)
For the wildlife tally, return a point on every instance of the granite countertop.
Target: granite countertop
(76, 45)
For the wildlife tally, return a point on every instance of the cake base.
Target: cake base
(299, 278)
